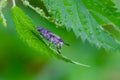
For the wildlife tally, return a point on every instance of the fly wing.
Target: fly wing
(56, 36)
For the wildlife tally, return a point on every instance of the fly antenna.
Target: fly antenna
(66, 44)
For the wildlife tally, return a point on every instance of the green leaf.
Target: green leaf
(27, 31)
(77, 16)
(105, 10)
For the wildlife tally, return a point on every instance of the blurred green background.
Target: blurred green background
(20, 62)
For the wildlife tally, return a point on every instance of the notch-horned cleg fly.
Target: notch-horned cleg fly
(54, 39)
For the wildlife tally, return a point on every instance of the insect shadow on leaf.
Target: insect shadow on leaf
(52, 38)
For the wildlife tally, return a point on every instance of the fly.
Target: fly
(52, 38)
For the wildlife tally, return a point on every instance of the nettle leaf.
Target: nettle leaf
(105, 11)
(27, 31)
(77, 15)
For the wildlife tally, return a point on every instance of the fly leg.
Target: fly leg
(58, 50)
(57, 47)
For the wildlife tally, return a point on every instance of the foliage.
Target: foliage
(28, 33)
(86, 18)
(81, 15)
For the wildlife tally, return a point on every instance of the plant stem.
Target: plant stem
(13, 3)
(3, 4)
(41, 12)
